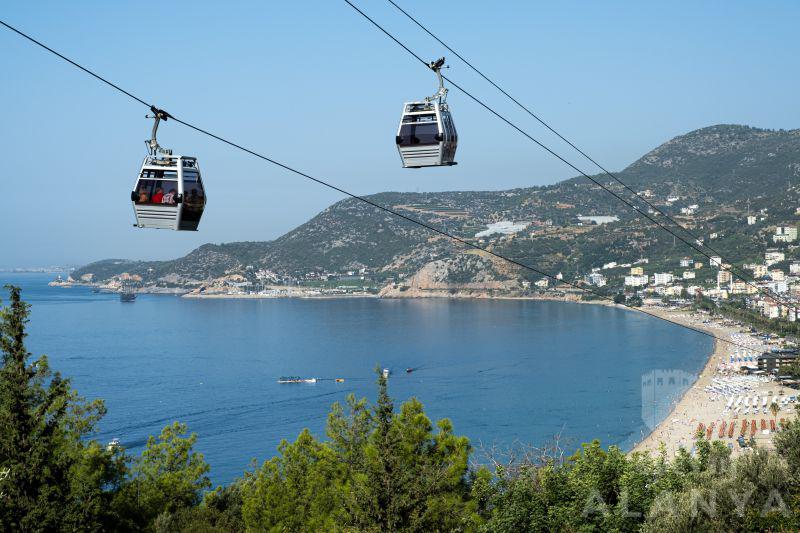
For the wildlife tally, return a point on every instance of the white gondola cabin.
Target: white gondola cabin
(426, 136)
(169, 192)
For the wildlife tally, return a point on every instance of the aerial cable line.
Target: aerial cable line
(744, 277)
(389, 210)
(748, 280)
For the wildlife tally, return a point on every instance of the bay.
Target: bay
(504, 371)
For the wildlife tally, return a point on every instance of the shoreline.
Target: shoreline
(663, 432)
(674, 429)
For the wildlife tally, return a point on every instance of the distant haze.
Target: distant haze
(312, 85)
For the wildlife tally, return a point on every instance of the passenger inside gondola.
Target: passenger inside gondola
(158, 196)
(194, 201)
(144, 197)
(169, 198)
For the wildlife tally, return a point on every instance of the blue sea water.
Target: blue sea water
(504, 372)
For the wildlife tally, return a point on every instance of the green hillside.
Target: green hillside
(724, 170)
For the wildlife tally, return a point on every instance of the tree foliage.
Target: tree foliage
(378, 469)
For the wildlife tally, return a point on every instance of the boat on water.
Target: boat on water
(339, 380)
(127, 296)
(386, 372)
(409, 370)
(296, 379)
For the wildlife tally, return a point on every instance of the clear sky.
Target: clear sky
(311, 84)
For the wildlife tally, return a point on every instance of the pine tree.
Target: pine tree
(49, 478)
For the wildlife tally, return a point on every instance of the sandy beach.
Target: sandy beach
(700, 405)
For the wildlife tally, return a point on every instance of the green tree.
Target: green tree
(51, 476)
(302, 489)
(774, 408)
(412, 479)
(168, 478)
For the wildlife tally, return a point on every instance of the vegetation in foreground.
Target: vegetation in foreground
(378, 469)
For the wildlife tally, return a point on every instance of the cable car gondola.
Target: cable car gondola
(168, 193)
(427, 135)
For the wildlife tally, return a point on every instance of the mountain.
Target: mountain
(707, 179)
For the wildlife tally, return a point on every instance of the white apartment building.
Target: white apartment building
(636, 281)
(686, 261)
(773, 256)
(596, 279)
(662, 278)
(778, 286)
(785, 234)
(715, 261)
(751, 220)
(688, 274)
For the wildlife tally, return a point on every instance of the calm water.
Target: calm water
(502, 371)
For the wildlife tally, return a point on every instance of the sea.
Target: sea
(507, 373)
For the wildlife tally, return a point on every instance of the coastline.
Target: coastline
(691, 400)
(674, 430)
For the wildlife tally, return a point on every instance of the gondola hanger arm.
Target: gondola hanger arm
(152, 144)
(441, 94)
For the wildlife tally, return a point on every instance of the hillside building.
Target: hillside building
(778, 286)
(773, 256)
(785, 234)
(698, 265)
(688, 274)
(723, 278)
(596, 279)
(674, 290)
(760, 271)
(637, 271)
(794, 268)
(686, 262)
(777, 275)
(662, 278)
(738, 287)
(751, 220)
(715, 261)
(636, 281)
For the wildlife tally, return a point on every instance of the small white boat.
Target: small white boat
(296, 379)
(386, 372)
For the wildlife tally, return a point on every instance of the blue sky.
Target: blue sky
(311, 84)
